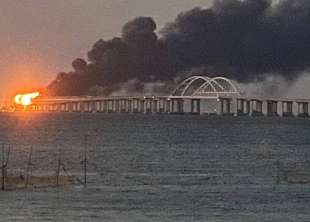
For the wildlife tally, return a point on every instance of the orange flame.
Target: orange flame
(25, 99)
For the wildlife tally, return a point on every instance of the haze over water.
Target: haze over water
(160, 167)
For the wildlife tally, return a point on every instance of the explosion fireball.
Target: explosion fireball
(25, 99)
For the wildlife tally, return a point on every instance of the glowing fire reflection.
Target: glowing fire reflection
(25, 99)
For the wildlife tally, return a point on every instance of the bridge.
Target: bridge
(197, 95)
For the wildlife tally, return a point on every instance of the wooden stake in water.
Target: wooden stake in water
(85, 161)
(4, 164)
(3, 169)
(277, 172)
(58, 168)
(28, 167)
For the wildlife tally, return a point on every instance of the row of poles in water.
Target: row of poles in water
(6, 155)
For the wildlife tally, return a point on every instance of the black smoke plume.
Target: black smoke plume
(242, 40)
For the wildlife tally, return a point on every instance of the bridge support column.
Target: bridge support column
(97, 106)
(101, 106)
(135, 105)
(105, 106)
(240, 107)
(142, 106)
(44, 107)
(247, 107)
(148, 105)
(116, 106)
(39, 107)
(243, 107)
(303, 109)
(287, 109)
(123, 105)
(224, 107)
(155, 106)
(195, 106)
(272, 108)
(162, 105)
(110, 105)
(68, 107)
(54, 107)
(90, 106)
(177, 106)
(74, 107)
(168, 106)
(93, 108)
(33, 107)
(79, 107)
(129, 108)
(86, 106)
(256, 107)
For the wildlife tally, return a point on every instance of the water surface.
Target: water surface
(160, 167)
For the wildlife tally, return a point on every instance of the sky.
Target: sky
(40, 38)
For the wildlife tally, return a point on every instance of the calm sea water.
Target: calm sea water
(160, 167)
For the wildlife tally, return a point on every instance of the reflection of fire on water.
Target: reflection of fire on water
(25, 99)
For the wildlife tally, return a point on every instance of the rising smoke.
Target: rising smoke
(243, 40)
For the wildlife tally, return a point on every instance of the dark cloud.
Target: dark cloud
(243, 40)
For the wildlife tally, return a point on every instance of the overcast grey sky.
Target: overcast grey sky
(41, 37)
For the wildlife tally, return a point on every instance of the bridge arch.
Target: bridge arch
(206, 87)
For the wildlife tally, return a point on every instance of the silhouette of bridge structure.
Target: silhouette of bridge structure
(195, 95)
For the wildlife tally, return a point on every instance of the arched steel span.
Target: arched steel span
(206, 87)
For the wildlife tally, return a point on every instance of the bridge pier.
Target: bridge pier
(65, 107)
(155, 106)
(97, 107)
(53, 107)
(195, 106)
(177, 106)
(243, 107)
(129, 106)
(272, 108)
(44, 108)
(57, 107)
(142, 105)
(39, 107)
(116, 108)
(162, 103)
(256, 107)
(105, 106)
(135, 105)
(50, 107)
(240, 107)
(110, 106)
(168, 106)
(287, 109)
(124, 107)
(102, 106)
(148, 105)
(62, 107)
(86, 107)
(74, 107)
(79, 107)
(225, 107)
(303, 109)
